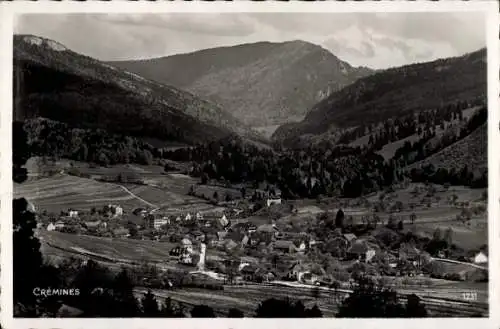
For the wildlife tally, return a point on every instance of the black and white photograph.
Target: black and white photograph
(251, 164)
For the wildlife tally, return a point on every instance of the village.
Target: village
(239, 244)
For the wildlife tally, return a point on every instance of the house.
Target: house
(237, 212)
(199, 216)
(302, 247)
(310, 278)
(269, 276)
(244, 241)
(297, 271)
(361, 250)
(156, 221)
(176, 251)
(186, 258)
(93, 224)
(349, 237)
(267, 228)
(240, 227)
(51, 227)
(59, 225)
(279, 235)
(223, 221)
(199, 236)
(230, 244)
(248, 272)
(242, 265)
(116, 210)
(285, 246)
(221, 235)
(271, 201)
(252, 228)
(410, 253)
(206, 222)
(73, 213)
(160, 222)
(139, 212)
(121, 232)
(188, 217)
(187, 244)
(314, 243)
(480, 258)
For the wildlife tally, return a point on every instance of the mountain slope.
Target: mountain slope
(57, 83)
(471, 151)
(393, 92)
(262, 83)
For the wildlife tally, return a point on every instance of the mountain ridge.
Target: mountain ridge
(394, 91)
(261, 83)
(92, 78)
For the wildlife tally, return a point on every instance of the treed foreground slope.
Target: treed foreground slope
(394, 92)
(261, 84)
(56, 83)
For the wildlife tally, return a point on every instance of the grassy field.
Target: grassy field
(108, 247)
(61, 192)
(464, 237)
(165, 191)
(54, 243)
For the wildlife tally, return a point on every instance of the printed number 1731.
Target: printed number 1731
(470, 296)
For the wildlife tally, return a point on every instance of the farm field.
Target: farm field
(61, 192)
(110, 248)
(407, 196)
(166, 192)
(469, 238)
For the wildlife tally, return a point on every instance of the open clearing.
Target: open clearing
(126, 250)
(61, 192)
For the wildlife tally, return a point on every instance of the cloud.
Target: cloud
(197, 23)
(395, 44)
(378, 40)
(340, 47)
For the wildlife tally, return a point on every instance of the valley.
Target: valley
(262, 173)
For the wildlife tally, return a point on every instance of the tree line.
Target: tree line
(305, 173)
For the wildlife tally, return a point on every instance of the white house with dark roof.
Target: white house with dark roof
(187, 244)
(73, 213)
(273, 200)
(480, 258)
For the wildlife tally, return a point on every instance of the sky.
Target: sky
(376, 40)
